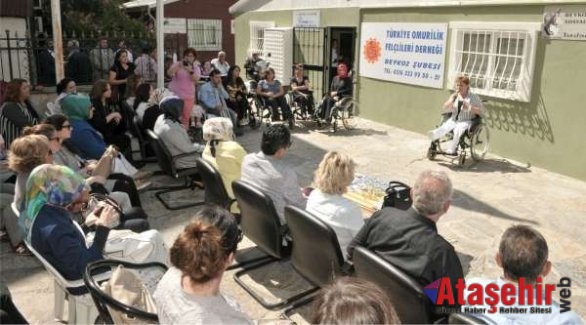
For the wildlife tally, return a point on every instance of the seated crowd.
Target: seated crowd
(76, 182)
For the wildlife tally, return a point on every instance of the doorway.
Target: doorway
(312, 46)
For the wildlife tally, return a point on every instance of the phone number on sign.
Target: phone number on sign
(412, 74)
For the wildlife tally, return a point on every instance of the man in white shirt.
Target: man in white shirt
(221, 64)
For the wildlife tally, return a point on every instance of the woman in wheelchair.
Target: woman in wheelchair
(302, 93)
(464, 107)
(272, 92)
(237, 93)
(341, 87)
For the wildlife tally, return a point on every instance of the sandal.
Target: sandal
(21, 250)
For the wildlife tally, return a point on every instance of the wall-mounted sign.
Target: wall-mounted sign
(175, 25)
(404, 52)
(306, 18)
(566, 23)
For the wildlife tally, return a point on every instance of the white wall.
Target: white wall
(19, 55)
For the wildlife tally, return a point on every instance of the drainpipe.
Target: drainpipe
(160, 44)
(57, 40)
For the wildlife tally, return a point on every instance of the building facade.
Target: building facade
(531, 85)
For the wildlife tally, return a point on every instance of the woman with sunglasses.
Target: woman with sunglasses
(189, 293)
(302, 92)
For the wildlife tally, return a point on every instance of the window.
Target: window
(257, 35)
(204, 34)
(498, 58)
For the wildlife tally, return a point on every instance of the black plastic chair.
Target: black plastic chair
(104, 302)
(167, 164)
(144, 145)
(407, 296)
(215, 191)
(260, 223)
(457, 318)
(316, 254)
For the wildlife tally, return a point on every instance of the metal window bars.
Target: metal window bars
(257, 35)
(494, 60)
(204, 34)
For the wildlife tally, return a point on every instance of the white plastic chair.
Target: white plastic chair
(81, 309)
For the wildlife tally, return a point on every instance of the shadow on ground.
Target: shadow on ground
(465, 201)
(503, 166)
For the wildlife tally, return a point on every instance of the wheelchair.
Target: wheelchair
(342, 110)
(262, 111)
(475, 140)
(300, 110)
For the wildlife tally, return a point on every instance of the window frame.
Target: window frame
(255, 25)
(215, 24)
(528, 31)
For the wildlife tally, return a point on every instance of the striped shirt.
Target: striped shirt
(464, 114)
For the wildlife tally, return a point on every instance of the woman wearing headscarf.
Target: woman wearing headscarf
(222, 151)
(150, 115)
(341, 87)
(53, 194)
(87, 140)
(170, 129)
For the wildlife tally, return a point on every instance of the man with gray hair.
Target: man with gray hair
(409, 239)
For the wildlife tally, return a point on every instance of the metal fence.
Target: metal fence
(32, 58)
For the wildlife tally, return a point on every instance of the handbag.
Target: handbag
(398, 195)
(96, 203)
(126, 286)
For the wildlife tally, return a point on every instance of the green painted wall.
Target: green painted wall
(329, 18)
(546, 132)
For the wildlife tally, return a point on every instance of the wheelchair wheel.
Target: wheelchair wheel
(479, 142)
(346, 113)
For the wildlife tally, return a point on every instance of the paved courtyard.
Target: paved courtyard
(488, 197)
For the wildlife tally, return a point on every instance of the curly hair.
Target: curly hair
(334, 173)
(28, 152)
(13, 90)
(202, 250)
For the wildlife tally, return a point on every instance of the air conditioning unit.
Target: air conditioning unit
(278, 52)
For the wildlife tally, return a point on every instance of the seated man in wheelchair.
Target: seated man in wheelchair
(212, 97)
(464, 108)
(254, 66)
(301, 90)
(341, 87)
(273, 94)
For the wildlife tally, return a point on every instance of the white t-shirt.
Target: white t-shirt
(343, 215)
(175, 306)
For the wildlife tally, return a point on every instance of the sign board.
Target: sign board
(404, 52)
(564, 23)
(306, 18)
(175, 25)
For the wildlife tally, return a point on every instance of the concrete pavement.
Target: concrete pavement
(488, 197)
